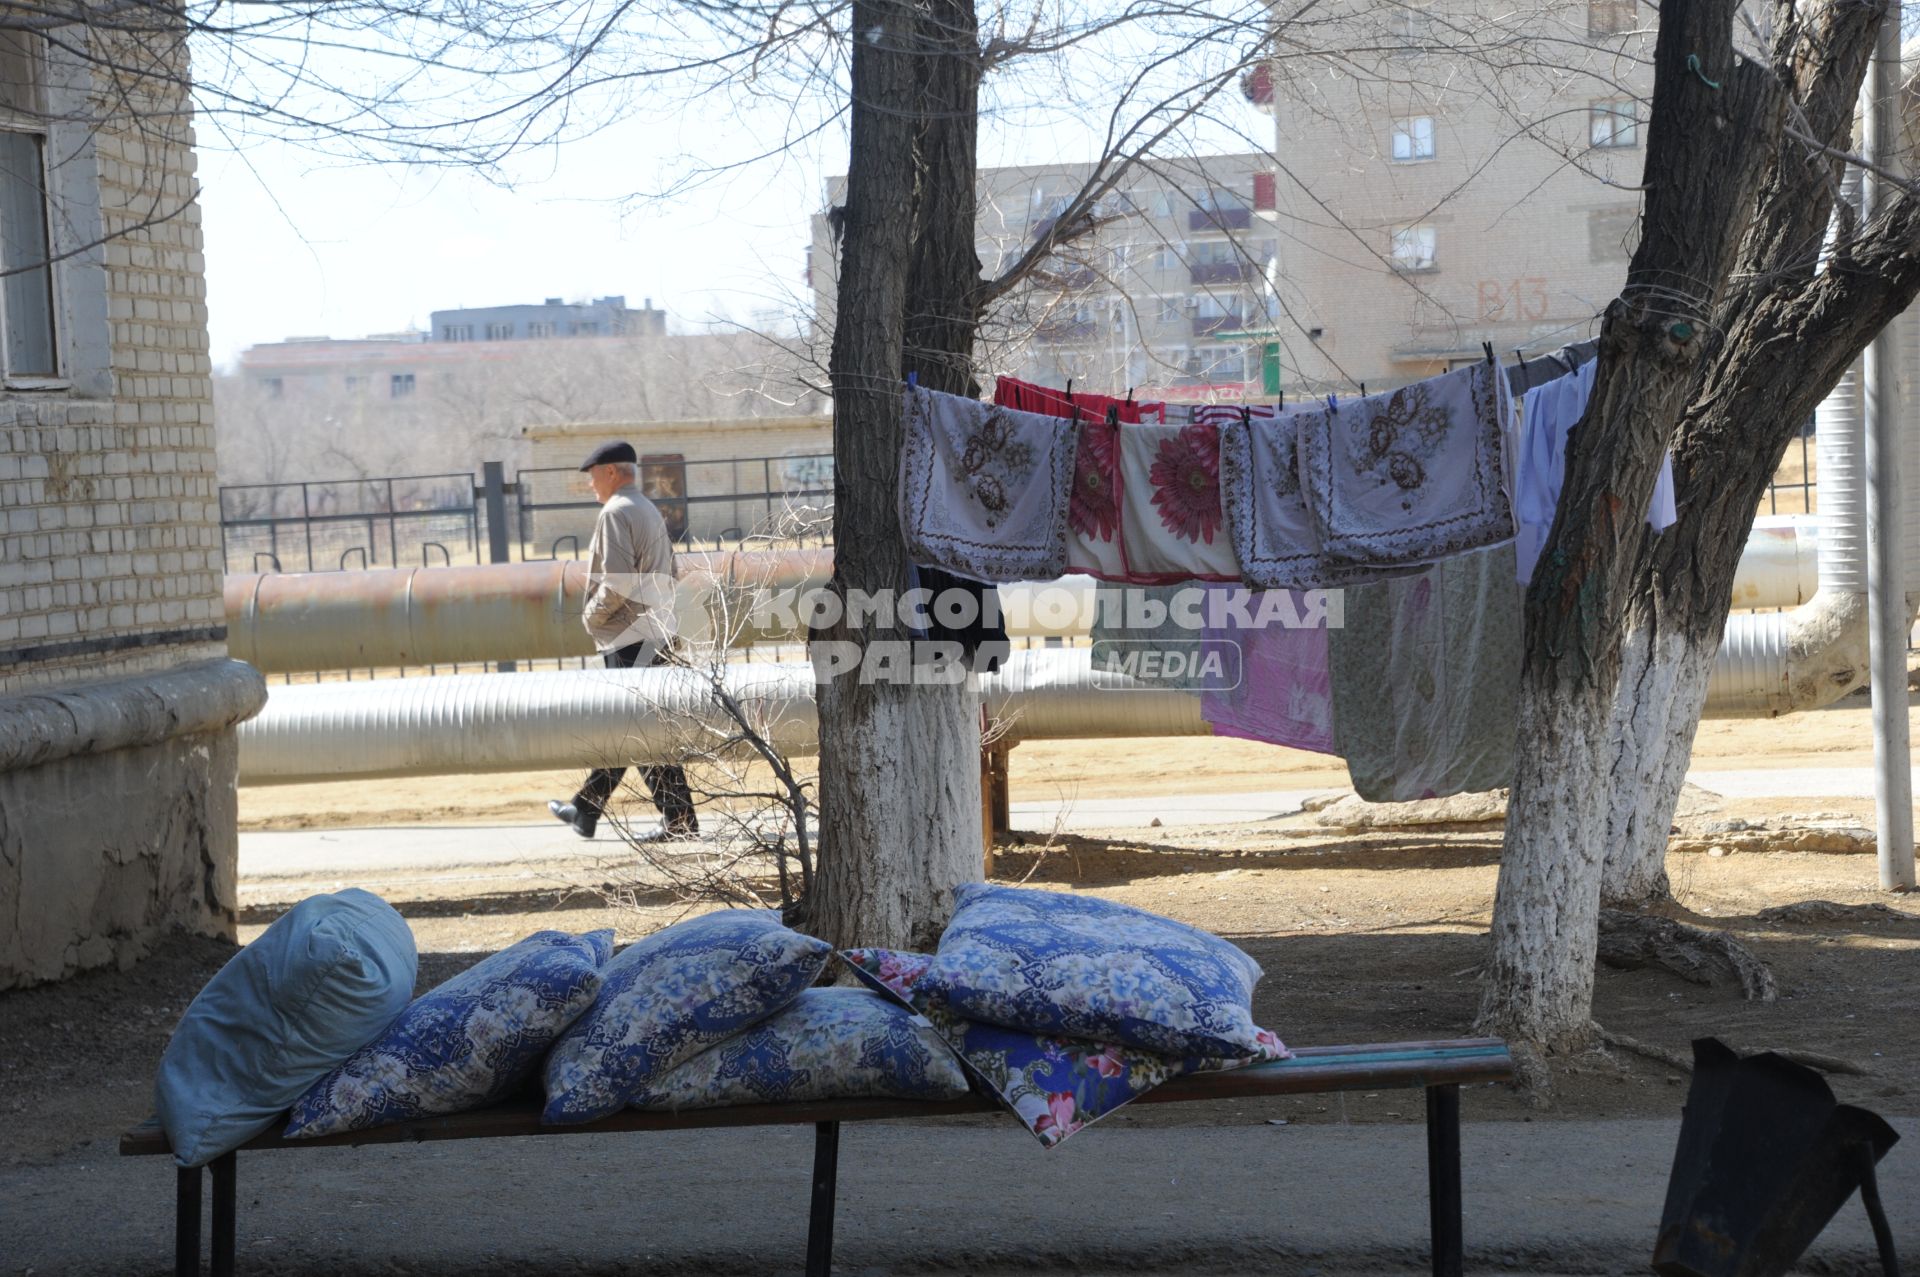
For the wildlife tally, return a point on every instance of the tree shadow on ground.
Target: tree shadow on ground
(1070, 859)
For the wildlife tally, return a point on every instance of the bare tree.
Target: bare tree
(1728, 333)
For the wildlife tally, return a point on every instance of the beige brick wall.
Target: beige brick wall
(1527, 216)
(109, 522)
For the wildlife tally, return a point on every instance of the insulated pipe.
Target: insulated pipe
(1778, 663)
(298, 622)
(590, 718)
(289, 622)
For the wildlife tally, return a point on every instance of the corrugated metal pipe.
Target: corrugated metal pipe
(590, 718)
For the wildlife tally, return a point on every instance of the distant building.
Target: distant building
(601, 317)
(1166, 298)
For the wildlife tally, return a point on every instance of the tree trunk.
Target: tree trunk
(1656, 712)
(899, 763)
(1715, 122)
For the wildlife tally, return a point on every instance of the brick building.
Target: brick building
(117, 700)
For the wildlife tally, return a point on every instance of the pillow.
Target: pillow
(669, 997)
(830, 1044)
(315, 987)
(1082, 967)
(1054, 1086)
(464, 1044)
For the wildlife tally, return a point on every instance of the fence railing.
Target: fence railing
(444, 519)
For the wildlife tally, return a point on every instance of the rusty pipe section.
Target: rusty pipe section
(289, 622)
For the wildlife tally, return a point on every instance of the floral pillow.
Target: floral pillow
(830, 1044)
(671, 996)
(1053, 1085)
(464, 1044)
(1082, 967)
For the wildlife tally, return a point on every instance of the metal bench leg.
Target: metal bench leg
(826, 1172)
(186, 1223)
(224, 1210)
(1443, 1179)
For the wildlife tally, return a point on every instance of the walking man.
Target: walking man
(629, 613)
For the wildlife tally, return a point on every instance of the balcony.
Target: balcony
(1219, 219)
(1208, 325)
(1064, 276)
(1235, 271)
(1064, 330)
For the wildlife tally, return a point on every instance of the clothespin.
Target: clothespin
(1333, 403)
(1488, 347)
(1246, 416)
(1113, 414)
(1069, 389)
(1076, 410)
(1363, 390)
(1129, 396)
(913, 379)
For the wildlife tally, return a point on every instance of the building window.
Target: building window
(400, 385)
(1613, 123)
(540, 328)
(1413, 139)
(1171, 308)
(586, 328)
(1168, 257)
(274, 386)
(456, 332)
(499, 332)
(1613, 233)
(1612, 17)
(1410, 21)
(26, 290)
(355, 385)
(1413, 248)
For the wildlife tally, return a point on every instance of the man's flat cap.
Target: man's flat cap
(608, 453)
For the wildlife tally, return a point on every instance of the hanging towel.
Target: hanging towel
(1412, 475)
(1093, 517)
(1549, 413)
(1171, 525)
(1011, 392)
(1426, 679)
(1285, 693)
(984, 490)
(1274, 538)
(1224, 414)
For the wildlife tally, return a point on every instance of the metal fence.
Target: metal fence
(344, 524)
(706, 504)
(443, 519)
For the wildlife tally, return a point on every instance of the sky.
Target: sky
(300, 244)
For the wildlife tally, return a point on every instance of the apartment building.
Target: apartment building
(1168, 297)
(1469, 178)
(552, 318)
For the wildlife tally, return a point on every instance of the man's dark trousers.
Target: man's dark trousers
(667, 783)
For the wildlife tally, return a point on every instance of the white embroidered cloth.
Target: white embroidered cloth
(1412, 475)
(1273, 535)
(983, 489)
(1171, 525)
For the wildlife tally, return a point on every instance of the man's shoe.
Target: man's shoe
(568, 814)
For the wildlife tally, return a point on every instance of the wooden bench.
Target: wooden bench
(1441, 1068)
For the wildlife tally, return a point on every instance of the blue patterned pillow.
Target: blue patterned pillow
(1054, 1086)
(831, 1044)
(464, 1044)
(671, 996)
(1083, 967)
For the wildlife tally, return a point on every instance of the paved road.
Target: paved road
(493, 849)
(982, 1198)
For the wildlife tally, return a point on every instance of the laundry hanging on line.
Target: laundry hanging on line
(984, 490)
(1548, 413)
(1425, 677)
(1026, 396)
